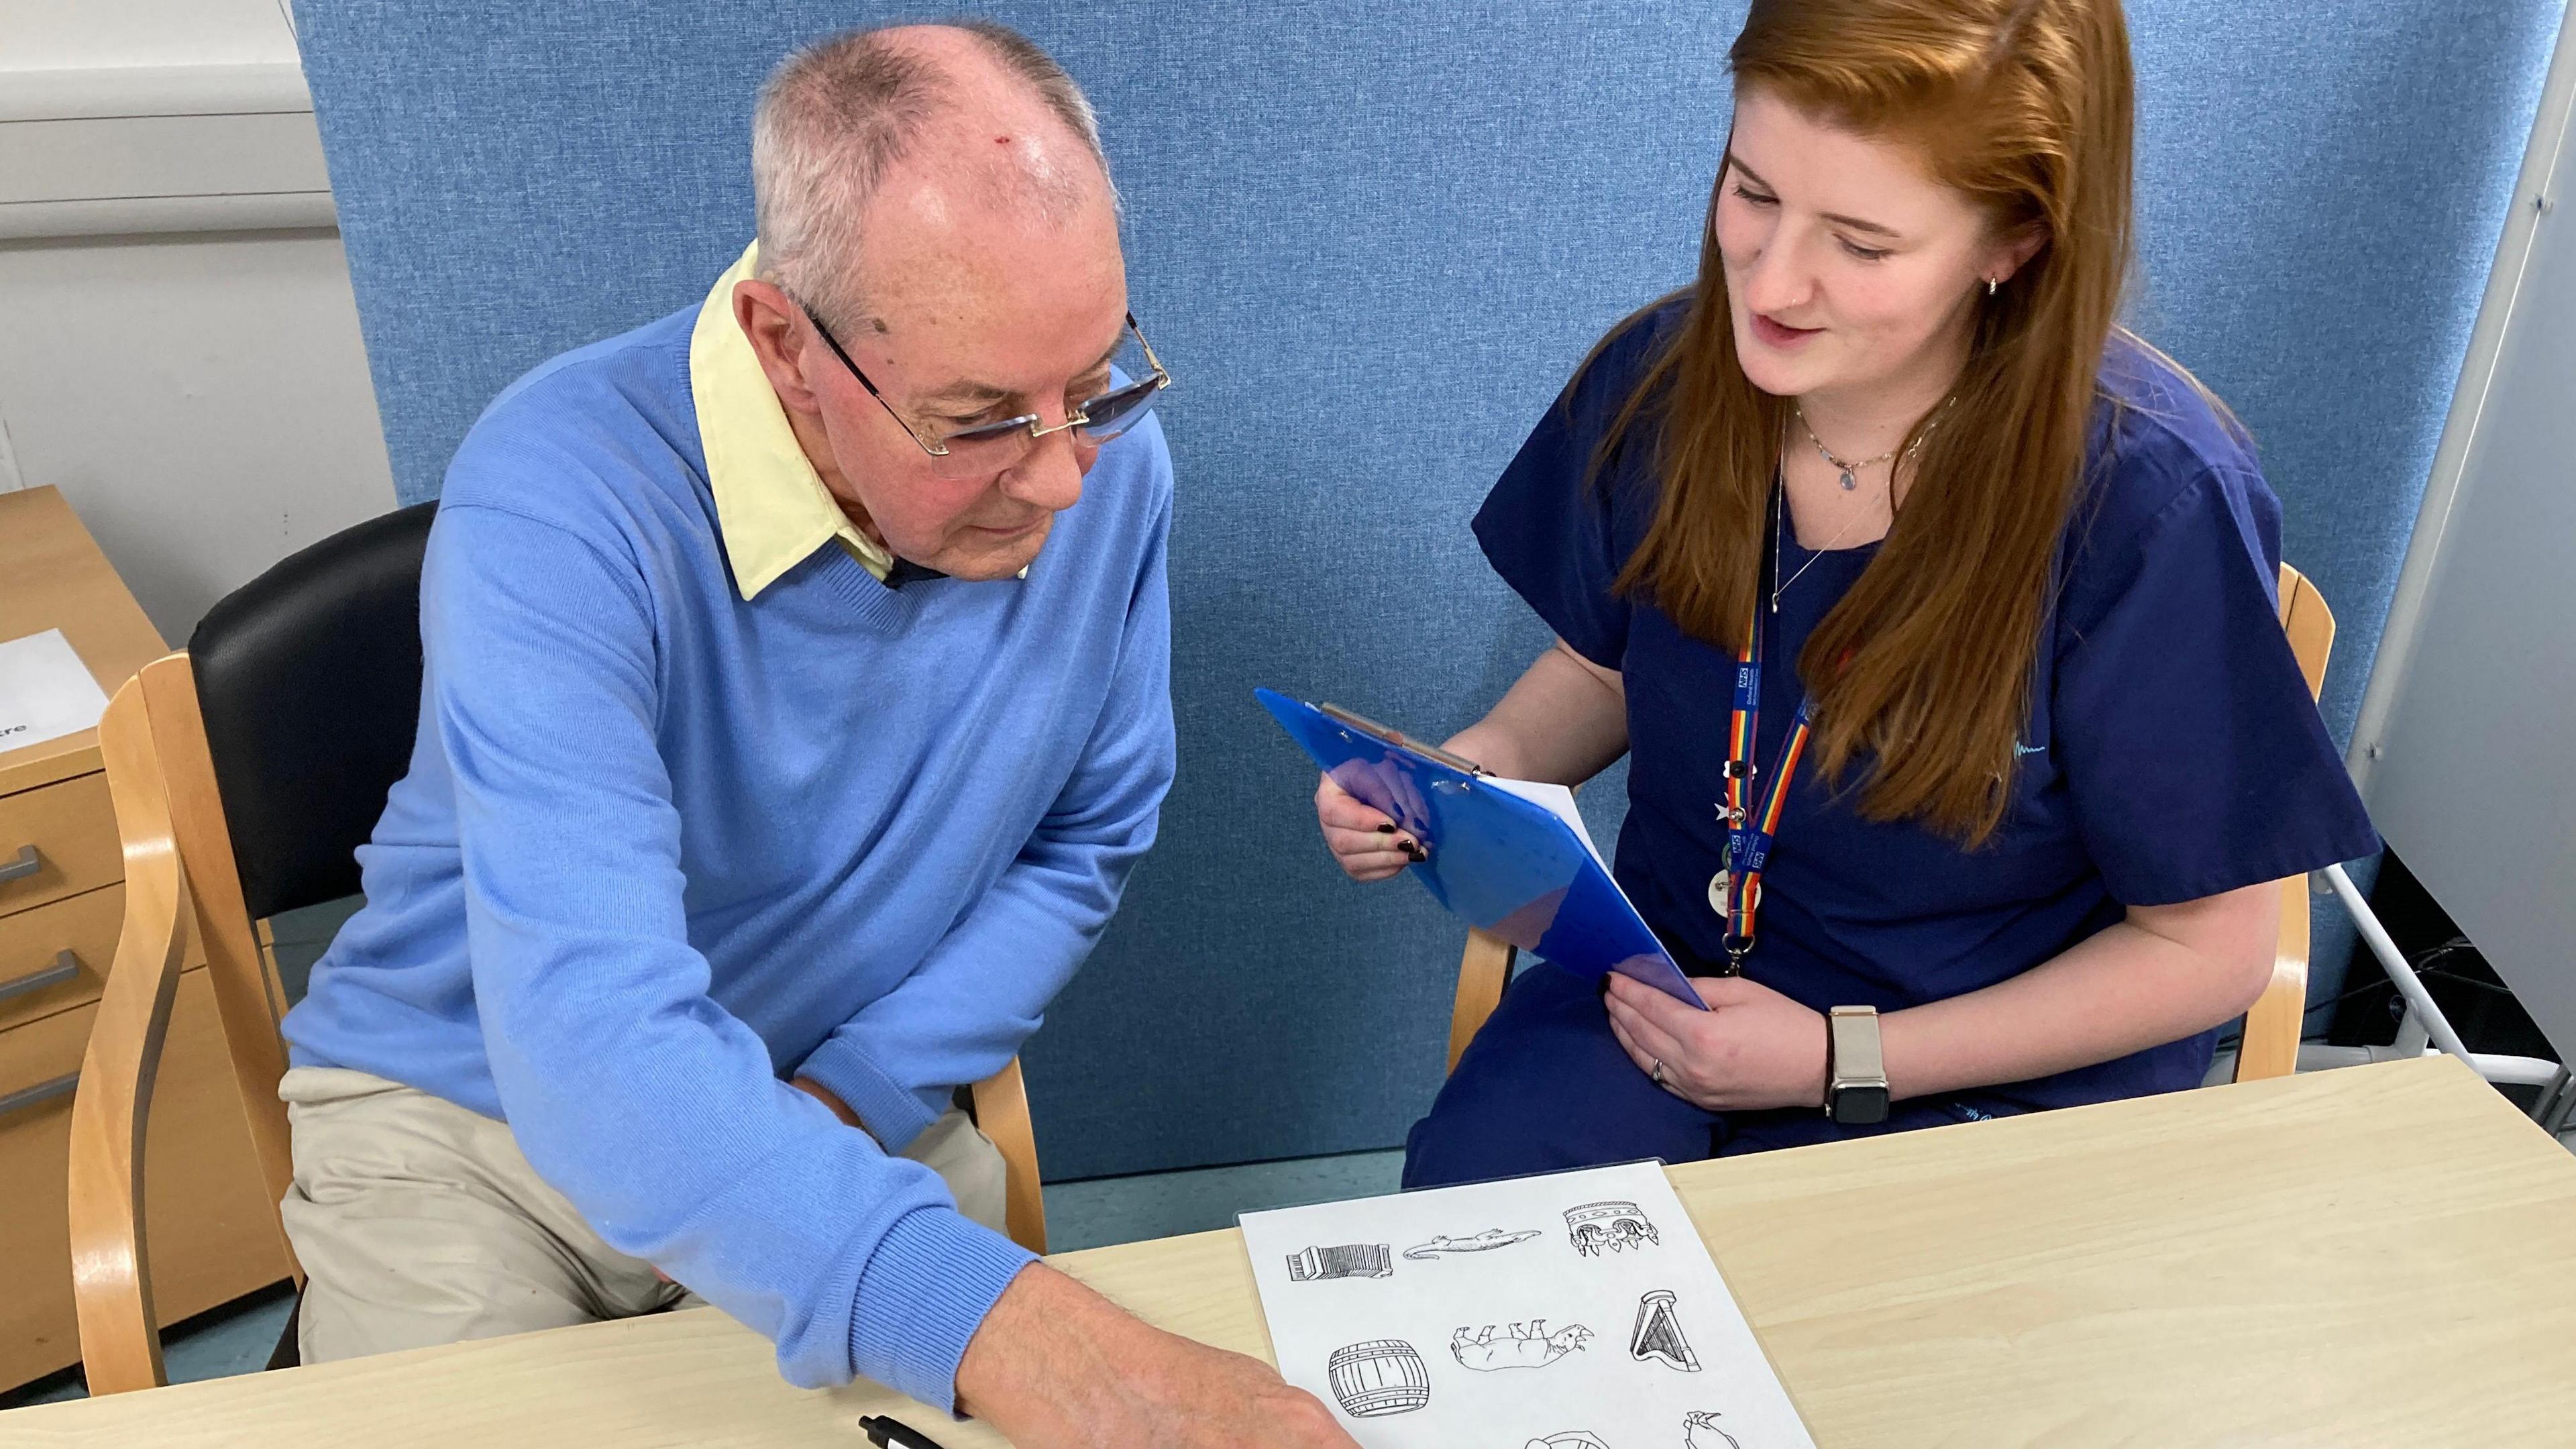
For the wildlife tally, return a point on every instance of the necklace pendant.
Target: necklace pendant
(1849, 482)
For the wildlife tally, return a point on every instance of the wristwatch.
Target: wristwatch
(1855, 1070)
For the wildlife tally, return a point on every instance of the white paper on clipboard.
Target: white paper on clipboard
(1556, 800)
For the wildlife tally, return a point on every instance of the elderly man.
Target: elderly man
(796, 704)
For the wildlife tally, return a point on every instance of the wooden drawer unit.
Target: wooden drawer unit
(56, 956)
(208, 1227)
(211, 1233)
(55, 841)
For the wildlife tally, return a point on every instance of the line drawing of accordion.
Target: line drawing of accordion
(1352, 1260)
(1380, 1376)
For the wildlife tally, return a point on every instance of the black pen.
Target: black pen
(884, 1432)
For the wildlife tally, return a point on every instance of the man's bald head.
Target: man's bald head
(999, 123)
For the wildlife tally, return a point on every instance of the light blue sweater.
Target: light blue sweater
(661, 848)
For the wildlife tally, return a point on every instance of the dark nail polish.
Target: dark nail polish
(1386, 829)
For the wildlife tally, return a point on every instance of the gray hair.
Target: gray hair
(837, 114)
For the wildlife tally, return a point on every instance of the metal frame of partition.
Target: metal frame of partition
(2425, 1031)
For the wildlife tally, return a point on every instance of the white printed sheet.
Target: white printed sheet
(45, 690)
(1573, 1311)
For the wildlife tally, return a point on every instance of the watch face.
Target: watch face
(1860, 1106)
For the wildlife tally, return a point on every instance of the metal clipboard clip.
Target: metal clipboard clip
(1401, 740)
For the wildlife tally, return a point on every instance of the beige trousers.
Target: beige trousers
(419, 1222)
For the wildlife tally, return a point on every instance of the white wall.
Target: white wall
(79, 34)
(2462, 748)
(201, 400)
(187, 368)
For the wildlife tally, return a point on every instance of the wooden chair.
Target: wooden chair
(176, 806)
(2272, 1029)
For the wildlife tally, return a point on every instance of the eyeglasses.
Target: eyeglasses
(989, 448)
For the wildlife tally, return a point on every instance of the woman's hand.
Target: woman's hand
(1752, 1049)
(1565, 720)
(1366, 844)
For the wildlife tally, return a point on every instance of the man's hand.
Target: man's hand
(1057, 1366)
(1752, 1049)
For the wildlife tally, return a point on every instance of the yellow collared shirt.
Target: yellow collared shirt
(770, 503)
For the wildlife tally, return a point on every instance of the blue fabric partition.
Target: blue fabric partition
(1371, 241)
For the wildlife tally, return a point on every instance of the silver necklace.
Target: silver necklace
(1849, 482)
(1851, 471)
(1848, 470)
(1779, 526)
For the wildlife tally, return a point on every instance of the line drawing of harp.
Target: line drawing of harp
(1658, 1336)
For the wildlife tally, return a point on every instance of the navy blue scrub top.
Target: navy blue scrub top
(2172, 751)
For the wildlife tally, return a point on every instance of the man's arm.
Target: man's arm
(654, 1110)
(964, 1011)
(1058, 1365)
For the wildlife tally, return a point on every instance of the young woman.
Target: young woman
(1996, 580)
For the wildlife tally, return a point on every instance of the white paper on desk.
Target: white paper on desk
(1609, 1325)
(45, 690)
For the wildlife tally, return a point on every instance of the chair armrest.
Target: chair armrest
(1483, 971)
(1001, 1108)
(111, 1285)
(2279, 1017)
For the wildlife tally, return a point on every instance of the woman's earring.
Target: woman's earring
(1991, 284)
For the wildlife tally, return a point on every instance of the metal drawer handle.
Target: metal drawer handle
(27, 864)
(66, 967)
(26, 1097)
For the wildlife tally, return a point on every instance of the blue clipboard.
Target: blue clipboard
(1503, 863)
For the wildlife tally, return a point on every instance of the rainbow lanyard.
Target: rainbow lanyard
(1736, 891)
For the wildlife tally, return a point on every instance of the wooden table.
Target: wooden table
(2377, 1256)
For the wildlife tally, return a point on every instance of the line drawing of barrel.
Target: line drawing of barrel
(1380, 1376)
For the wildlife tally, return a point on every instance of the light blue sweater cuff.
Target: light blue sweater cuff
(893, 1114)
(924, 1292)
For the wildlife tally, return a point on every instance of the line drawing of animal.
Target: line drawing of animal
(1484, 1242)
(1700, 1431)
(1516, 1346)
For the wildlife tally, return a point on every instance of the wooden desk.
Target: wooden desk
(2378, 1256)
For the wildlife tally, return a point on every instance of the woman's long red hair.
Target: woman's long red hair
(1923, 670)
